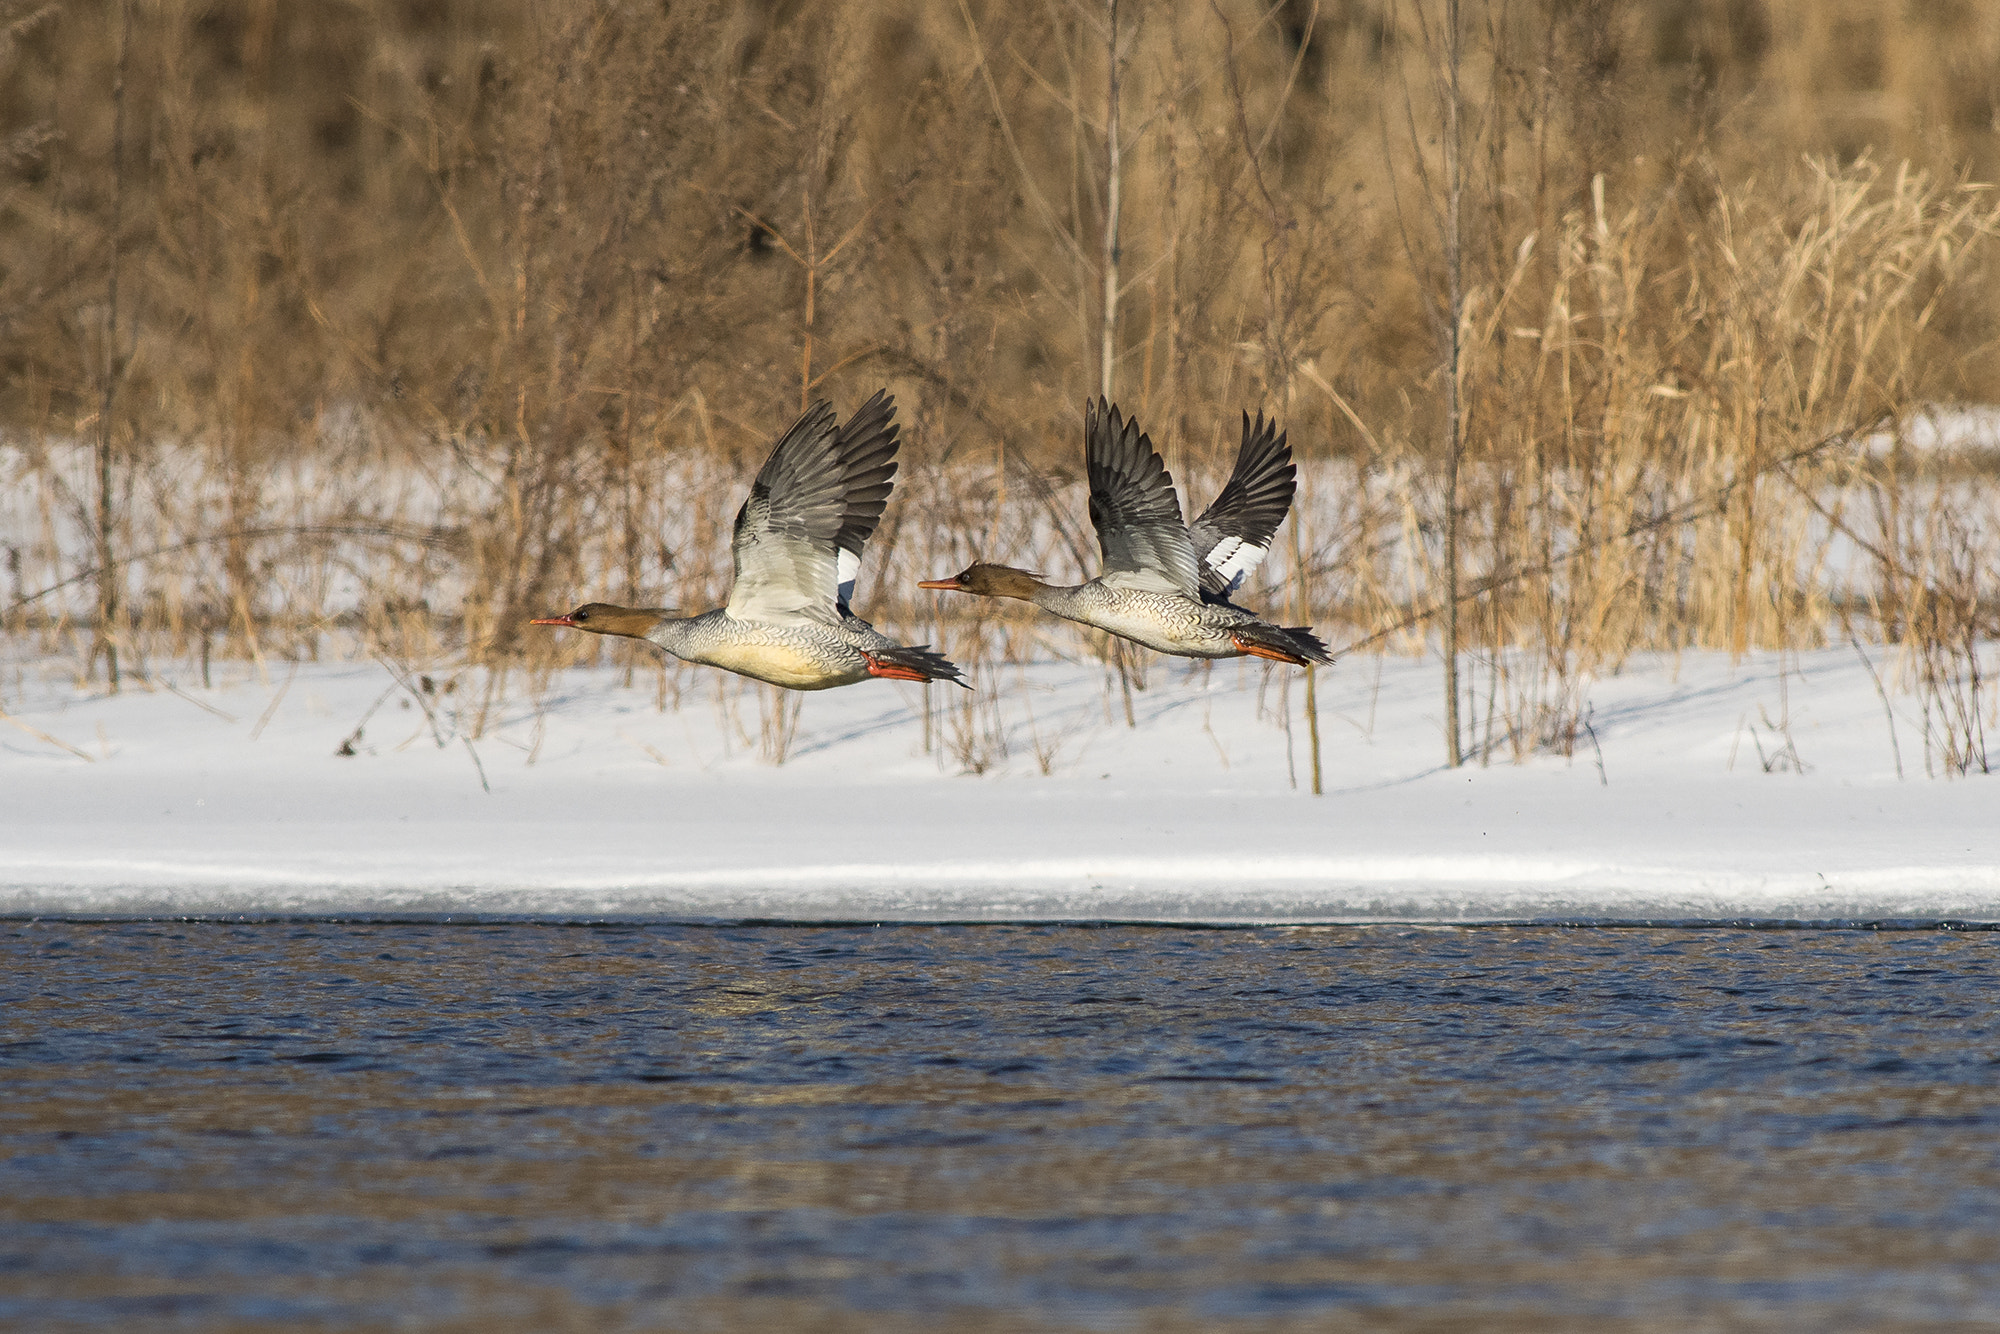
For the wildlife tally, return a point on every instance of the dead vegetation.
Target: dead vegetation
(402, 320)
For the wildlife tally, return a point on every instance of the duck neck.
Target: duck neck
(1019, 585)
(1056, 599)
(678, 635)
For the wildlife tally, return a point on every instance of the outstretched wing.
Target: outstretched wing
(867, 449)
(784, 543)
(1133, 505)
(1233, 535)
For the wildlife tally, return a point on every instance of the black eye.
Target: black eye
(580, 617)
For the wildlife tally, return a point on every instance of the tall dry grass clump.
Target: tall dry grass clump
(1670, 410)
(1652, 403)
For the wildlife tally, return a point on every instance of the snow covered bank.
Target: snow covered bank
(1709, 792)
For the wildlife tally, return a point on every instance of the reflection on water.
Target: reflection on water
(905, 1128)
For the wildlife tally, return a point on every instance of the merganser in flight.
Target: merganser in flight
(1166, 584)
(796, 548)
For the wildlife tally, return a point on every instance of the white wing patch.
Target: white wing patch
(847, 566)
(1233, 559)
(1146, 580)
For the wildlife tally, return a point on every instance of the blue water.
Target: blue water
(339, 1126)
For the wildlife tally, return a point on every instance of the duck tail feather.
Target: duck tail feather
(919, 659)
(1296, 644)
(1309, 645)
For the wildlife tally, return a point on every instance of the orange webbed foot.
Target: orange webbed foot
(892, 671)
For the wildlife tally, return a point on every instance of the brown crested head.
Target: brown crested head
(605, 618)
(989, 581)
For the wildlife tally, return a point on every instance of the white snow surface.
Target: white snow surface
(1684, 807)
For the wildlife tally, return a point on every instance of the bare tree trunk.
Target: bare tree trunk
(1454, 439)
(1108, 346)
(1304, 615)
(1107, 352)
(108, 574)
(628, 464)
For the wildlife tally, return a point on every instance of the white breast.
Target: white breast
(781, 665)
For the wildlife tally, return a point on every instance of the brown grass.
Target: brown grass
(433, 314)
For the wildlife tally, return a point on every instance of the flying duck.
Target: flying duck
(796, 548)
(1167, 584)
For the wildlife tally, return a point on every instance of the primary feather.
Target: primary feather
(1233, 535)
(811, 509)
(1134, 508)
(867, 447)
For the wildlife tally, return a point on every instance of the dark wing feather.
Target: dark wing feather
(1233, 535)
(867, 449)
(1133, 505)
(784, 542)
